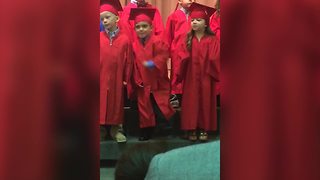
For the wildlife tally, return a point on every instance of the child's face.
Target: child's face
(198, 24)
(143, 29)
(141, 3)
(109, 20)
(185, 3)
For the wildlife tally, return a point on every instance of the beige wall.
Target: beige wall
(166, 7)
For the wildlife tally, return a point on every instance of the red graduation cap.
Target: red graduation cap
(201, 11)
(113, 6)
(142, 14)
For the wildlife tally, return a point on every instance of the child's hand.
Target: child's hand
(140, 85)
(149, 64)
(124, 83)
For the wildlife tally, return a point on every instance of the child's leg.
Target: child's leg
(164, 126)
(174, 101)
(192, 135)
(146, 115)
(146, 133)
(103, 132)
(203, 135)
(176, 88)
(116, 133)
(159, 115)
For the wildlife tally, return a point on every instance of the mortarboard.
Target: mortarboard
(142, 14)
(113, 6)
(201, 11)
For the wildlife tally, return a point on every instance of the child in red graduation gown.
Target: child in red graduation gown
(215, 20)
(150, 72)
(157, 23)
(116, 66)
(199, 69)
(178, 25)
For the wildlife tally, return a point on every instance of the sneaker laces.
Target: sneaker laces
(174, 101)
(173, 97)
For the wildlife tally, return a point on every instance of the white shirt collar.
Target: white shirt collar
(184, 10)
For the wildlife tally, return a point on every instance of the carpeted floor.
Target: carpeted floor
(107, 173)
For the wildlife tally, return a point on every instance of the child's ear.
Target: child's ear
(118, 19)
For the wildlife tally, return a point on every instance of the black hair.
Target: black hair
(134, 162)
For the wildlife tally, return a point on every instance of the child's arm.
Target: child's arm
(136, 75)
(160, 57)
(215, 25)
(137, 78)
(128, 64)
(128, 71)
(213, 67)
(169, 32)
(183, 59)
(159, 28)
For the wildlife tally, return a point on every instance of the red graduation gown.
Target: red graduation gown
(115, 67)
(177, 27)
(154, 80)
(157, 23)
(200, 69)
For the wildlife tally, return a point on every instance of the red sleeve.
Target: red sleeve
(159, 28)
(183, 59)
(160, 57)
(125, 23)
(128, 63)
(125, 27)
(169, 32)
(127, 75)
(136, 73)
(213, 67)
(215, 25)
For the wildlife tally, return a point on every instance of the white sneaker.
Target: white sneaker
(116, 133)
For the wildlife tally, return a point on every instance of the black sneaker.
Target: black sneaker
(145, 133)
(174, 101)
